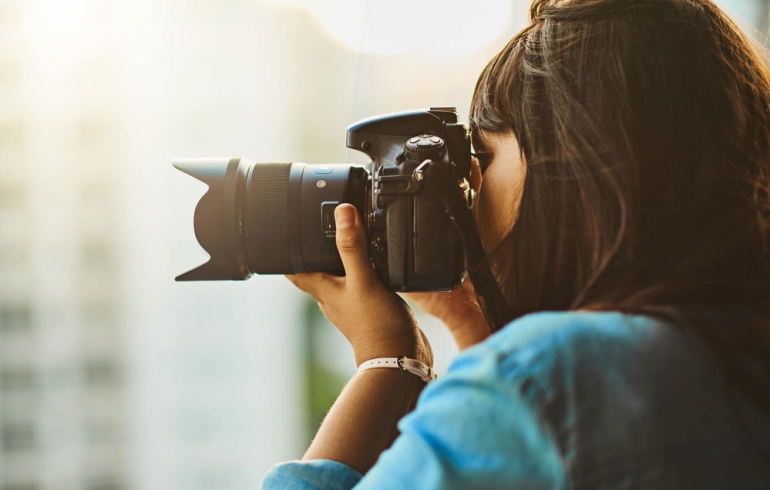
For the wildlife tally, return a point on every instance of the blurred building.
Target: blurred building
(62, 350)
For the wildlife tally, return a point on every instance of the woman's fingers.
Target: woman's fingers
(313, 282)
(459, 310)
(376, 322)
(304, 282)
(354, 252)
(352, 245)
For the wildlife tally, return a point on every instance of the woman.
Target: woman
(628, 141)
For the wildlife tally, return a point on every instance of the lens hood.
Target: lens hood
(218, 224)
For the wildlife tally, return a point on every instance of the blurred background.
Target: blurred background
(113, 376)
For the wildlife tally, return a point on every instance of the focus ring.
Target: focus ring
(267, 238)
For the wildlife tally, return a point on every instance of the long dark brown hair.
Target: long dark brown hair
(645, 125)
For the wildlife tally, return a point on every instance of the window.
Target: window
(18, 437)
(10, 71)
(104, 372)
(9, 12)
(12, 135)
(96, 254)
(15, 318)
(99, 315)
(13, 195)
(94, 132)
(14, 256)
(106, 483)
(101, 432)
(95, 193)
(20, 486)
(18, 379)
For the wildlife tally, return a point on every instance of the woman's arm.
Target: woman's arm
(482, 425)
(362, 422)
(377, 323)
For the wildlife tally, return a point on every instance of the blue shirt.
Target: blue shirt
(568, 401)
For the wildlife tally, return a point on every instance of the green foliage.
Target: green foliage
(322, 383)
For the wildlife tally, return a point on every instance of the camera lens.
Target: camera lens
(266, 237)
(270, 218)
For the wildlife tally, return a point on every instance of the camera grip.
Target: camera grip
(397, 223)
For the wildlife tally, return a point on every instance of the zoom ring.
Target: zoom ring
(267, 239)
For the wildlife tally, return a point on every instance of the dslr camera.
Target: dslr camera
(278, 218)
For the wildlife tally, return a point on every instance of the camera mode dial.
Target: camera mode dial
(425, 146)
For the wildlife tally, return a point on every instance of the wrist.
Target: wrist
(468, 329)
(412, 345)
(403, 363)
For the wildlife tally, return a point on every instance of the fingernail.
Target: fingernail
(344, 216)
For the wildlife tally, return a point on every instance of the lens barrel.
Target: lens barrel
(267, 218)
(270, 218)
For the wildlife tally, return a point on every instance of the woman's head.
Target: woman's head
(645, 127)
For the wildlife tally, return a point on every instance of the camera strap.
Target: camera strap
(444, 185)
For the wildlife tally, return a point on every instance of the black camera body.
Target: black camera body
(278, 218)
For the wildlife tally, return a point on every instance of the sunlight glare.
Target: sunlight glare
(428, 27)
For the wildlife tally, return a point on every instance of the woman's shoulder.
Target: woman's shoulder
(581, 330)
(619, 394)
(564, 364)
(598, 344)
(610, 361)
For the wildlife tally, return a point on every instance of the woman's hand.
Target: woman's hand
(363, 421)
(375, 320)
(459, 311)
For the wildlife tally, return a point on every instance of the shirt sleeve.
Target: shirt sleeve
(482, 425)
(478, 427)
(307, 475)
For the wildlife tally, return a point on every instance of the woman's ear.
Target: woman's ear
(475, 174)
